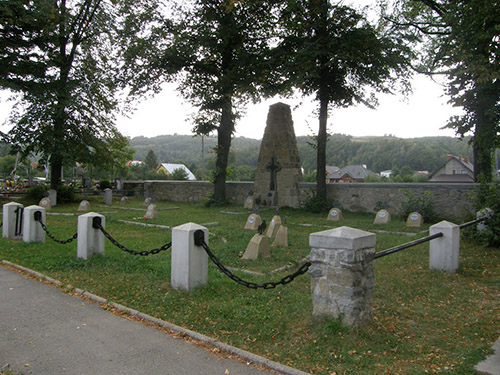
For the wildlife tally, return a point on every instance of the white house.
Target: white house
(169, 168)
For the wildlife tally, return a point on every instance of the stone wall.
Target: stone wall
(451, 200)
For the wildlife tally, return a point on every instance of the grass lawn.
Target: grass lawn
(424, 321)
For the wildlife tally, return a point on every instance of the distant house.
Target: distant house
(169, 168)
(330, 169)
(386, 173)
(134, 162)
(455, 169)
(349, 174)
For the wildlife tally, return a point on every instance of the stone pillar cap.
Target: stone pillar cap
(342, 238)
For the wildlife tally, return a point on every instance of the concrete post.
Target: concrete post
(444, 251)
(342, 277)
(52, 197)
(108, 197)
(32, 230)
(10, 219)
(90, 239)
(189, 262)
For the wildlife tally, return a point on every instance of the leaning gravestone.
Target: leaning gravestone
(258, 246)
(415, 220)
(84, 206)
(335, 214)
(382, 217)
(147, 201)
(281, 239)
(253, 222)
(150, 212)
(273, 226)
(45, 203)
(278, 170)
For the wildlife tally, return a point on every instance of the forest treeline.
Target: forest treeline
(378, 153)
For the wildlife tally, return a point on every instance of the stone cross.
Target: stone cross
(273, 167)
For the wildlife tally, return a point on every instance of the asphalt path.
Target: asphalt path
(45, 331)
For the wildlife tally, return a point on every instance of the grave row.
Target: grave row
(341, 259)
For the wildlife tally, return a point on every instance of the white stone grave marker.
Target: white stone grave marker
(147, 201)
(249, 202)
(124, 200)
(415, 220)
(84, 206)
(281, 239)
(273, 226)
(382, 217)
(150, 212)
(258, 246)
(45, 203)
(335, 214)
(253, 222)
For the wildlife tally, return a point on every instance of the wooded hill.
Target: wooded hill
(378, 153)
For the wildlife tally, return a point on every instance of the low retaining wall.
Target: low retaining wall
(450, 200)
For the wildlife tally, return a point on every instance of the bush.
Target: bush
(67, 194)
(315, 204)
(423, 205)
(105, 184)
(488, 196)
(35, 193)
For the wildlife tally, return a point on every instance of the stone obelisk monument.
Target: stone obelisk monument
(278, 168)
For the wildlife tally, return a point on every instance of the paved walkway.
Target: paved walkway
(44, 331)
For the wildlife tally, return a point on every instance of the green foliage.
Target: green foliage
(423, 205)
(317, 204)
(179, 174)
(67, 194)
(151, 160)
(35, 193)
(105, 184)
(487, 195)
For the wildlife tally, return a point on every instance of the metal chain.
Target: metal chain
(269, 285)
(51, 236)
(130, 251)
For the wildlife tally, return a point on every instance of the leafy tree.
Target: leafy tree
(462, 42)
(223, 46)
(151, 161)
(332, 52)
(66, 111)
(179, 174)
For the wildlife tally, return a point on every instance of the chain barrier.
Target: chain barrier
(199, 240)
(97, 225)
(38, 217)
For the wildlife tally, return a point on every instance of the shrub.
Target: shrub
(423, 205)
(315, 204)
(35, 193)
(488, 196)
(67, 194)
(105, 184)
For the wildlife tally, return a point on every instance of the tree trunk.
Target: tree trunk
(321, 149)
(224, 133)
(485, 134)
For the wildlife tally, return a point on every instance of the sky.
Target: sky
(423, 113)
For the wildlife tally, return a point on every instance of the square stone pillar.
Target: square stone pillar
(189, 262)
(342, 275)
(90, 240)
(444, 251)
(12, 221)
(32, 229)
